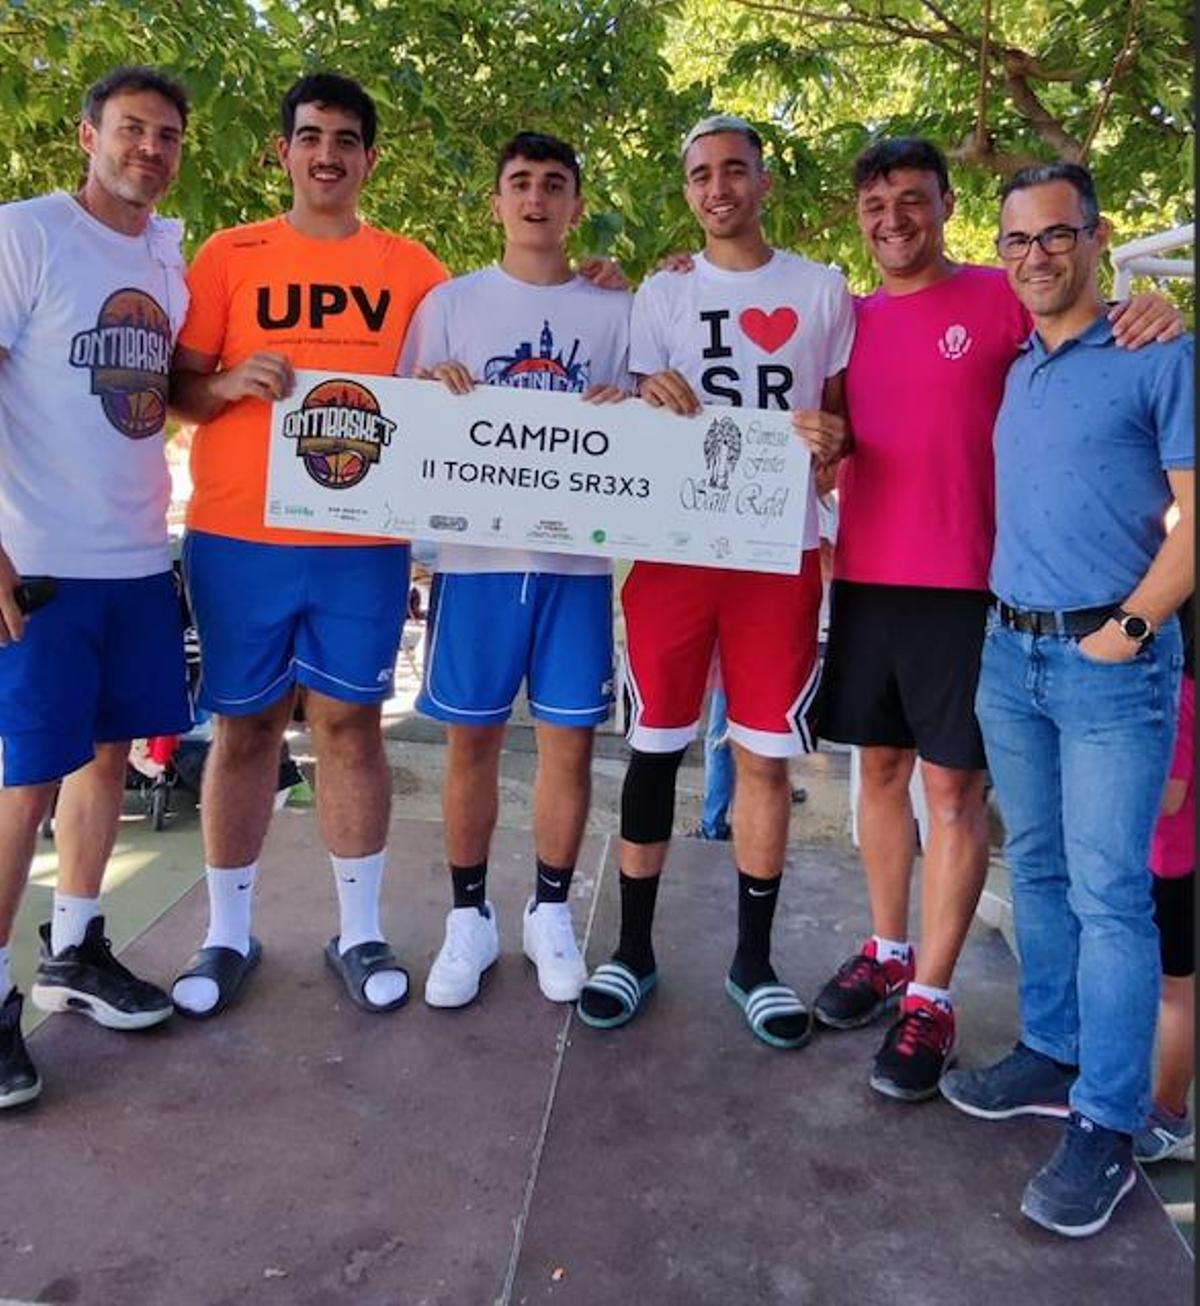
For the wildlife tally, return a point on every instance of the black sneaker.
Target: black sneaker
(915, 1051)
(1024, 1083)
(19, 1079)
(89, 979)
(863, 989)
(1077, 1190)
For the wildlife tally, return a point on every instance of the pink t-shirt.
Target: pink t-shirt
(1173, 848)
(925, 381)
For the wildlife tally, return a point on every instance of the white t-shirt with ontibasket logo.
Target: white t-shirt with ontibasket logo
(88, 318)
(766, 338)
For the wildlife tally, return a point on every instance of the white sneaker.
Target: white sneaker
(471, 945)
(550, 944)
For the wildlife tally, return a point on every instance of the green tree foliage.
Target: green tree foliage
(997, 83)
(622, 79)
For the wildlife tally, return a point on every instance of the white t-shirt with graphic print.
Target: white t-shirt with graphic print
(767, 338)
(88, 317)
(508, 332)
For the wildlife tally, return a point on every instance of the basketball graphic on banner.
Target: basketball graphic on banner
(339, 432)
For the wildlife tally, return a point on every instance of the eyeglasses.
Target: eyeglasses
(1053, 240)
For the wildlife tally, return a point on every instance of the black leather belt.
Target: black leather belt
(1080, 622)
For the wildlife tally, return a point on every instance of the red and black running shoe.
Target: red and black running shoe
(863, 989)
(915, 1051)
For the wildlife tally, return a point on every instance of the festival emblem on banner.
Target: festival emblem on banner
(340, 433)
(758, 493)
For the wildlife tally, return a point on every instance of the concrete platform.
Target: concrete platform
(297, 1150)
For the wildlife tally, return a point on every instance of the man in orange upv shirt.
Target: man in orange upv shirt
(315, 288)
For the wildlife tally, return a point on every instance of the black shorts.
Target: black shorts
(1174, 908)
(901, 669)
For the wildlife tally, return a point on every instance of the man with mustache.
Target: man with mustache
(278, 609)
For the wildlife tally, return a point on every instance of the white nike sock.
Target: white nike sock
(930, 994)
(5, 973)
(230, 906)
(69, 920)
(230, 909)
(891, 949)
(359, 880)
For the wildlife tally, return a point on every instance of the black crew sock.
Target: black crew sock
(752, 961)
(756, 913)
(470, 886)
(553, 885)
(638, 897)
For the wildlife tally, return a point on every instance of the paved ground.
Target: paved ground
(299, 1151)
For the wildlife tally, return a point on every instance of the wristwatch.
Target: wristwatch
(1133, 627)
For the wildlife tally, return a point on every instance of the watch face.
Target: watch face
(1135, 627)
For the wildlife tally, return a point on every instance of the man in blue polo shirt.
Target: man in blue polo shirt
(1077, 692)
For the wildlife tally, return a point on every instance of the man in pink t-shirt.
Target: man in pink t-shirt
(910, 592)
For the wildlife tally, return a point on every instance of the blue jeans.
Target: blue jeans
(718, 771)
(1079, 752)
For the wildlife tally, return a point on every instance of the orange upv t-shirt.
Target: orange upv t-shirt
(331, 305)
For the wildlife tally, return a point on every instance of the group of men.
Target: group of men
(899, 392)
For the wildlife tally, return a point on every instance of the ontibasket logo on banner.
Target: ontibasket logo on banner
(340, 433)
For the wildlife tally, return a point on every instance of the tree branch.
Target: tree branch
(1124, 60)
(981, 131)
(955, 43)
(1039, 117)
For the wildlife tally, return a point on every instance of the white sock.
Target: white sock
(5, 973)
(930, 994)
(230, 910)
(891, 949)
(359, 880)
(69, 920)
(230, 906)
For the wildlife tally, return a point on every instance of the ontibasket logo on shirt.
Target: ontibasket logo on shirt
(128, 353)
(955, 342)
(340, 433)
(545, 370)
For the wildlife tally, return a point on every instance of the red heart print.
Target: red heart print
(769, 331)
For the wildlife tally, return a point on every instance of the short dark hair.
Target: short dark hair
(133, 77)
(332, 90)
(1074, 174)
(538, 147)
(885, 157)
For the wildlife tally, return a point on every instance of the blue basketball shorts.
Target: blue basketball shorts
(103, 663)
(271, 616)
(489, 631)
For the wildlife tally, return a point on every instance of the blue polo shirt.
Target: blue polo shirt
(1084, 437)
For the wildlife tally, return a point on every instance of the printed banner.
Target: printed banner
(527, 469)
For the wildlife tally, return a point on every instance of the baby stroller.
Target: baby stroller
(154, 766)
(157, 766)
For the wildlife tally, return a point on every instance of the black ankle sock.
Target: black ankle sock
(470, 885)
(553, 885)
(638, 897)
(756, 912)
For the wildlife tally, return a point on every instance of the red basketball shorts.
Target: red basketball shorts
(763, 628)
